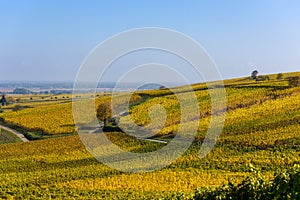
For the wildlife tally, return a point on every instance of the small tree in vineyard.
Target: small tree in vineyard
(279, 76)
(104, 112)
(17, 108)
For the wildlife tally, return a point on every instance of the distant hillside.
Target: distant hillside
(22, 91)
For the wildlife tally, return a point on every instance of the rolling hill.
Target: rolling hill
(261, 129)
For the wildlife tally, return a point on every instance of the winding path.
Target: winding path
(20, 135)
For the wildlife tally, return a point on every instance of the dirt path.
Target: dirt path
(153, 140)
(20, 135)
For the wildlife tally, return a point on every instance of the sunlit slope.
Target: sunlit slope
(246, 100)
(62, 168)
(261, 127)
(50, 118)
(55, 117)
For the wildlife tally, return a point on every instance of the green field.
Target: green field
(261, 129)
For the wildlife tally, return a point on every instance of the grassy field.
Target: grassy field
(8, 137)
(261, 129)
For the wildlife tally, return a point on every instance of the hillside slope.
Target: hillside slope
(261, 128)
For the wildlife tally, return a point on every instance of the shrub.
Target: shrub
(16, 108)
(293, 81)
(262, 78)
(279, 76)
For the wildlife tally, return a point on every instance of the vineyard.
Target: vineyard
(261, 131)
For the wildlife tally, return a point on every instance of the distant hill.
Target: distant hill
(22, 91)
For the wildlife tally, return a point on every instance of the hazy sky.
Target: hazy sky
(48, 40)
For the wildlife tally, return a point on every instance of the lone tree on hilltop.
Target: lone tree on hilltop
(254, 74)
(104, 112)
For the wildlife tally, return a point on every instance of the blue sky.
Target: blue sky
(48, 40)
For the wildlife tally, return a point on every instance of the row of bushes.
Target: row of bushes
(285, 185)
(292, 80)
